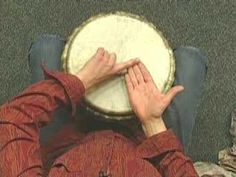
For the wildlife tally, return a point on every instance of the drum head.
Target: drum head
(129, 36)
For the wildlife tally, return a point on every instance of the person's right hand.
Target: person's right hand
(101, 67)
(147, 101)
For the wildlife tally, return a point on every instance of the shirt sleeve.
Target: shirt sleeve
(21, 118)
(166, 153)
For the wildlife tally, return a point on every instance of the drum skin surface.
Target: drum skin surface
(129, 36)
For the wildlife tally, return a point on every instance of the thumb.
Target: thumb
(121, 68)
(173, 92)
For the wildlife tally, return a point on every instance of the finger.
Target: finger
(138, 74)
(132, 77)
(129, 84)
(112, 59)
(121, 67)
(146, 75)
(100, 52)
(106, 55)
(173, 92)
(124, 71)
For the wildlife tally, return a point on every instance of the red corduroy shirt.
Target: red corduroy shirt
(21, 154)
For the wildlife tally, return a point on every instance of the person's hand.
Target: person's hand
(102, 66)
(147, 101)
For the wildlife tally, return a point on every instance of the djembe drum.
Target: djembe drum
(129, 36)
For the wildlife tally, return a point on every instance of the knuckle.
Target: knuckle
(139, 76)
(101, 59)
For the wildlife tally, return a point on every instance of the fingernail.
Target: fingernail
(100, 48)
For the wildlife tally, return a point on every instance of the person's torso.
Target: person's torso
(103, 152)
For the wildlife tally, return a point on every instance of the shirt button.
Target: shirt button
(103, 174)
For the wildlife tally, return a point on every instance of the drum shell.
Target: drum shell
(95, 109)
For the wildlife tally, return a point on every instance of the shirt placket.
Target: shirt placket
(108, 155)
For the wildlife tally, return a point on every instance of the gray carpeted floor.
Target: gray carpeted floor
(207, 24)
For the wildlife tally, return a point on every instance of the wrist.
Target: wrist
(85, 80)
(153, 126)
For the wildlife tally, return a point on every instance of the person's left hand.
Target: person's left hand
(147, 101)
(102, 66)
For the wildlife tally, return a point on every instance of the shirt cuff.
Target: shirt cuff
(73, 86)
(159, 144)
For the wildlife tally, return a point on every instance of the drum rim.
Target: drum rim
(66, 54)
